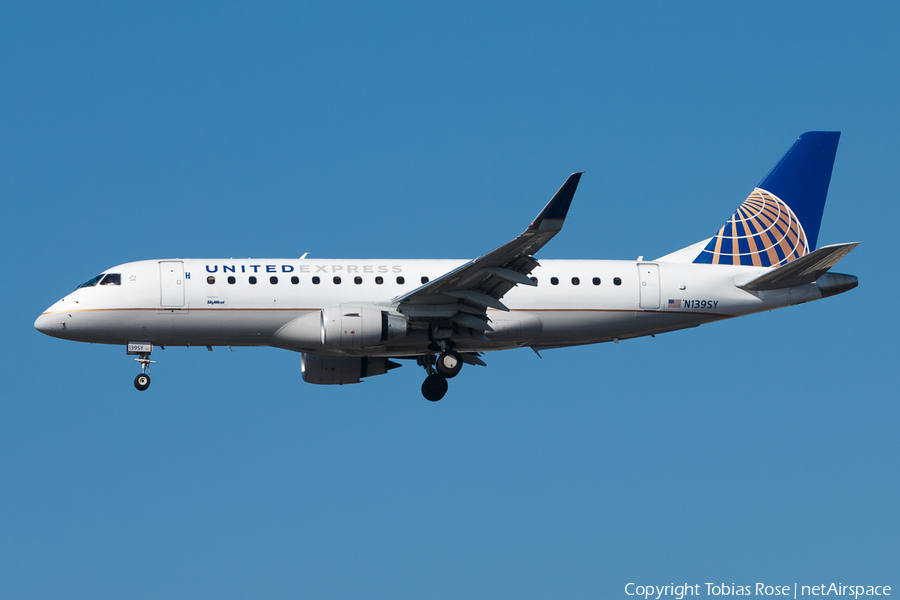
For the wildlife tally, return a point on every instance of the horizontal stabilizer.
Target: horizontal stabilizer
(803, 270)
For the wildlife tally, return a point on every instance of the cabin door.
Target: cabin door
(649, 277)
(171, 284)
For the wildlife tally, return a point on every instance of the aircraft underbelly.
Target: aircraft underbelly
(177, 327)
(591, 326)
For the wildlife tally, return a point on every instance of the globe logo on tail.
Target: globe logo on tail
(762, 232)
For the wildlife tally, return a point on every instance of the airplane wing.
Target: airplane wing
(805, 269)
(464, 294)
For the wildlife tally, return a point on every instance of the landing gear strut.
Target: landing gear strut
(435, 385)
(142, 381)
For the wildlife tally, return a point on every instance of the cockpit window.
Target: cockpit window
(112, 279)
(90, 283)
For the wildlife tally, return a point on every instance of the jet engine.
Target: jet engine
(338, 370)
(348, 327)
(341, 327)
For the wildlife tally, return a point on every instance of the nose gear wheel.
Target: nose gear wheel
(142, 382)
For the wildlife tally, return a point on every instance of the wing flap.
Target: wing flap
(471, 358)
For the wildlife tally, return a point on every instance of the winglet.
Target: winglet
(554, 214)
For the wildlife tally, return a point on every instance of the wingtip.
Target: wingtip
(556, 210)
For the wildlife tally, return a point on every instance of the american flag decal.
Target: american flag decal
(674, 303)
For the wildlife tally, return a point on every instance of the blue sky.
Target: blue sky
(758, 450)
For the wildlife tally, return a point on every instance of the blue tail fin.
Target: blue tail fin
(779, 221)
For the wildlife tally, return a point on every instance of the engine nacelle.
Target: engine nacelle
(338, 370)
(351, 327)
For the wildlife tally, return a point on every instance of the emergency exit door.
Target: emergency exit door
(649, 277)
(171, 284)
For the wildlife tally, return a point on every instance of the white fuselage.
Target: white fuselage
(349, 318)
(191, 302)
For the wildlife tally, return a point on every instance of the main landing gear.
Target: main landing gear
(446, 367)
(449, 364)
(142, 381)
(434, 387)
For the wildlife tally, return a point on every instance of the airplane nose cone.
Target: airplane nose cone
(55, 321)
(44, 324)
(50, 324)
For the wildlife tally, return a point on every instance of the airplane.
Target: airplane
(352, 319)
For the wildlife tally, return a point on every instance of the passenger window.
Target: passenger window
(617, 281)
(401, 280)
(295, 280)
(424, 280)
(231, 279)
(210, 280)
(252, 280)
(316, 280)
(90, 282)
(112, 279)
(273, 280)
(379, 280)
(357, 280)
(337, 281)
(575, 281)
(554, 281)
(595, 281)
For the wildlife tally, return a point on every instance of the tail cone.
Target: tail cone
(831, 284)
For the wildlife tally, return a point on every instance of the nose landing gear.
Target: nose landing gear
(142, 381)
